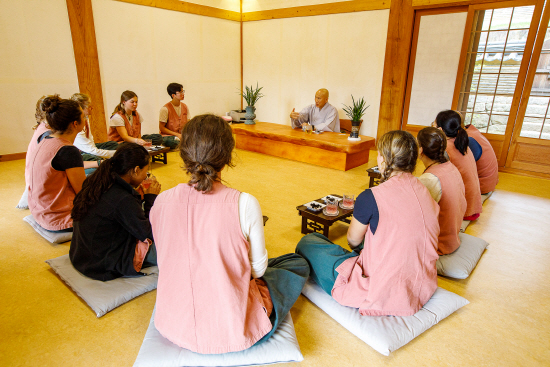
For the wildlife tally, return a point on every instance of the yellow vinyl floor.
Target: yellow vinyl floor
(507, 322)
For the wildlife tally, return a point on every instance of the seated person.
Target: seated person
(84, 141)
(173, 115)
(56, 169)
(322, 115)
(461, 156)
(40, 128)
(125, 123)
(393, 234)
(112, 234)
(214, 254)
(486, 159)
(444, 182)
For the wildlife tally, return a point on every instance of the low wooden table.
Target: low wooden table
(317, 222)
(328, 149)
(159, 155)
(375, 176)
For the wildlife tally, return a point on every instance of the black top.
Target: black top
(476, 149)
(67, 157)
(104, 241)
(366, 210)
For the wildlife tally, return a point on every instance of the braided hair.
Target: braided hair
(433, 143)
(400, 152)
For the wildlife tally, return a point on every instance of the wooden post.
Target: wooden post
(396, 64)
(87, 64)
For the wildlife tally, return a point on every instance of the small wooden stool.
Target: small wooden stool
(159, 155)
(374, 175)
(317, 222)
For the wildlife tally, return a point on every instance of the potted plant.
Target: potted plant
(355, 112)
(251, 95)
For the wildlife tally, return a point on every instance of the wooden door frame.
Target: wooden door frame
(501, 145)
(416, 30)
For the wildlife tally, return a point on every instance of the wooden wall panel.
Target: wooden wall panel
(190, 8)
(81, 20)
(425, 4)
(396, 63)
(320, 9)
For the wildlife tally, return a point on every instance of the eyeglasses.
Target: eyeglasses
(182, 92)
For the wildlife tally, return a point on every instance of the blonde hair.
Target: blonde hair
(400, 152)
(40, 115)
(82, 99)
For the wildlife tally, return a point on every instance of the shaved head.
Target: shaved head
(321, 98)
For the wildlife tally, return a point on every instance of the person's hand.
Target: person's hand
(154, 188)
(140, 141)
(178, 136)
(294, 115)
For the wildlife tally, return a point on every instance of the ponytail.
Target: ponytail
(125, 96)
(451, 123)
(126, 158)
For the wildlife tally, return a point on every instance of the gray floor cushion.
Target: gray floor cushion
(103, 297)
(466, 223)
(386, 333)
(156, 351)
(52, 237)
(462, 262)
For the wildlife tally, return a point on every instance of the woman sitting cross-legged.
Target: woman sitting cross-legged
(112, 234)
(393, 235)
(461, 156)
(217, 290)
(55, 167)
(444, 182)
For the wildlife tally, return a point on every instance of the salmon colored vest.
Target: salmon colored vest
(175, 123)
(452, 206)
(395, 274)
(133, 130)
(207, 301)
(466, 165)
(33, 145)
(487, 164)
(50, 192)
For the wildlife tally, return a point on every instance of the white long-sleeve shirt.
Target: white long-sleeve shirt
(324, 119)
(252, 226)
(87, 145)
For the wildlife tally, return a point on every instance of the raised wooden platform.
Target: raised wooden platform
(332, 150)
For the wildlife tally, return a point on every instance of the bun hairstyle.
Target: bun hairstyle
(39, 114)
(60, 113)
(400, 152)
(433, 143)
(206, 147)
(125, 159)
(125, 96)
(451, 124)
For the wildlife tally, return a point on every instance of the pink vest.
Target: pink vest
(452, 206)
(466, 165)
(487, 164)
(207, 301)
(50, 192)
(33, 145)
(175, 123)
(133, 130)
(395, 274)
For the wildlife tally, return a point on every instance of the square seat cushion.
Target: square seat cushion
(103, 297)
(386, 333)
(460, 263)
(282, 346)
(466, 223)
(52, 237)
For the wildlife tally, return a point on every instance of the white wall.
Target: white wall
(143, 49)
(36, 58)
(436, 64)
(258, 5)
(292, 58)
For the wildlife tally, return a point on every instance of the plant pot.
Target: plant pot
(250, 115)
(354, 133)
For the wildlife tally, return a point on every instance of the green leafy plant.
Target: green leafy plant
(251, 95)
(356, 110)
